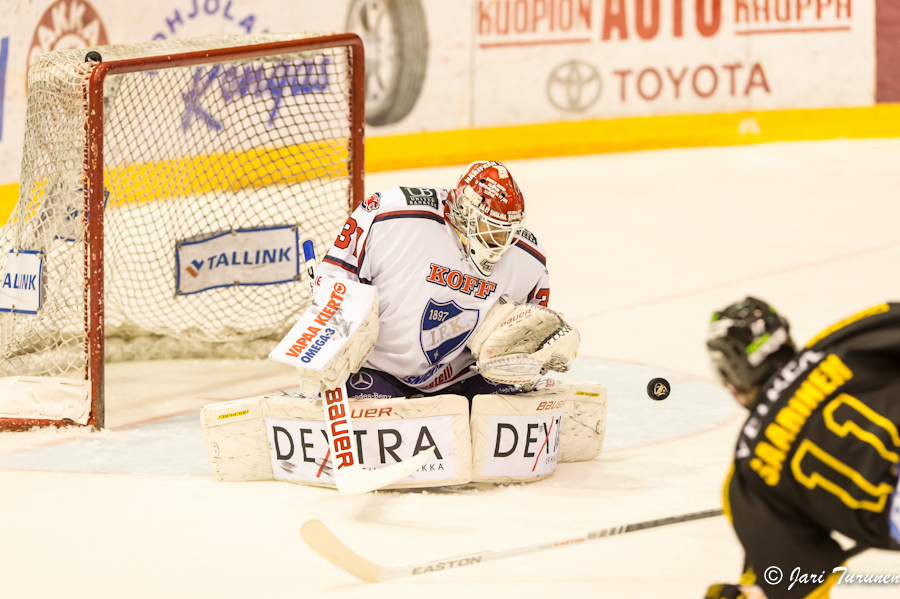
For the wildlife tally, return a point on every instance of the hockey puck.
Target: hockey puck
(658, 389)
(93, 56)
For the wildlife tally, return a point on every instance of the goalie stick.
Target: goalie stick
(352, 478)
(309, 256)
(322, 541)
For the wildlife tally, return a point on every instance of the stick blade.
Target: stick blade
(322, 541)
(357, 480)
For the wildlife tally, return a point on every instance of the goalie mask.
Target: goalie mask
(488, 211)
(748, 342)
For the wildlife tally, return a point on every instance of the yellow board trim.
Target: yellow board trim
(627, 134)
(9, 194)
(259, 167)
(582, 137)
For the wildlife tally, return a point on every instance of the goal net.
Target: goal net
(213, 160)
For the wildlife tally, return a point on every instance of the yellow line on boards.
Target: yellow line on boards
(629, 134)
(192, 175)
(257, 168)
(9, 193)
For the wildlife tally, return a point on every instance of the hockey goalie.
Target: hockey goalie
(430, 316)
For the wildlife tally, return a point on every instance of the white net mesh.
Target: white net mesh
(189, 153)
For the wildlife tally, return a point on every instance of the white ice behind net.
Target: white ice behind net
(189, 152)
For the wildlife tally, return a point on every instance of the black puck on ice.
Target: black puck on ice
(658, 389)
(93, 56)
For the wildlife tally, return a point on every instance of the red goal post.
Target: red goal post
(279, 148)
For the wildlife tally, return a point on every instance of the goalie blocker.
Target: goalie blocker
(508, 438)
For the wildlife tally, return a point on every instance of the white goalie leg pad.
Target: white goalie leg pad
(284, 438)
(387, 431)
(566, 421)
(515, 438)
(234, 434)
(584, 419)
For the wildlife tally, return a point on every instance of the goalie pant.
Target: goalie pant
(374, 384)
(431, 298)
(819, 453)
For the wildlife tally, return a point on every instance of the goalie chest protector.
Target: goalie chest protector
(431, 297)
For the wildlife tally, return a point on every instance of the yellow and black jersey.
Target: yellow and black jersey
(819, 453)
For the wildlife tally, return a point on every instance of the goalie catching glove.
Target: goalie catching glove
(518, 343)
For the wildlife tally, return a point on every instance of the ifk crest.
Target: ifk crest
(445, 328)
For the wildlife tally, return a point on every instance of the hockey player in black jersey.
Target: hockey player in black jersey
(819, 451)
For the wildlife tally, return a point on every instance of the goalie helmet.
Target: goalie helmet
(748, 342)
(488, 212)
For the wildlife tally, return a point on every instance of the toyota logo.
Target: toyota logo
(362, 381)
(574, 85)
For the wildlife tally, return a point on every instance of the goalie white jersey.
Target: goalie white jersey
(431, 298)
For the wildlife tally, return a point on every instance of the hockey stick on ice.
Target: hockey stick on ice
(322, 541)
(348, 475)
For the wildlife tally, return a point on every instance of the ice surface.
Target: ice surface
(169, 446)
(174, 445)
(642, 248)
